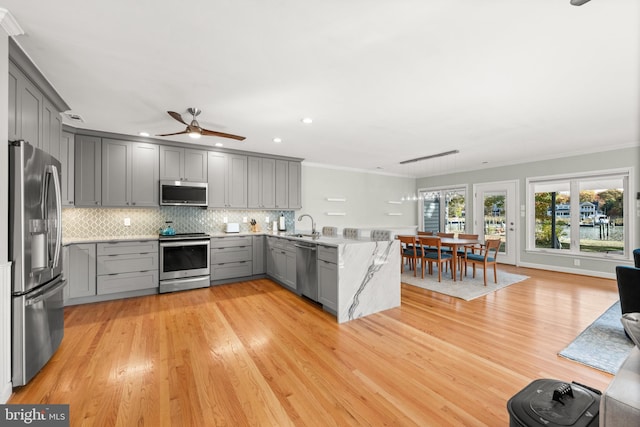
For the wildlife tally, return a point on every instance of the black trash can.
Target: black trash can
(551, 403)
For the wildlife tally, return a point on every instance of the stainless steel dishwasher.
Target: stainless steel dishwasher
(307, 270)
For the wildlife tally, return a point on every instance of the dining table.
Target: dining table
(453, 243)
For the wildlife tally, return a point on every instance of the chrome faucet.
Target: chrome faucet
(313, 224)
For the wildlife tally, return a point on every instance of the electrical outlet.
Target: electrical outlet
(266, 219)
(576, 262)
(225, 219)
(127, 222)
(244, 219)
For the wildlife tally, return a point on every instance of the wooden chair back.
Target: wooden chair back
(445, 235)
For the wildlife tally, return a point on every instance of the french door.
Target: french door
(495, 216)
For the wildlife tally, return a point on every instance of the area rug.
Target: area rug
(468, 288)
(603, 345)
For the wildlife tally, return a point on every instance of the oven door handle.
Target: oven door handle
(184, 243)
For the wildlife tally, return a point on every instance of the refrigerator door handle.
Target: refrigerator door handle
(44, 295)
(53, 170)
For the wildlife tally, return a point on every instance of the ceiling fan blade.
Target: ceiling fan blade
(221, 134)
(177, 133)
(177, 116)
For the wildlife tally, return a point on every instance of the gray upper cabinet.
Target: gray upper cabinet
(67, 149)
(282, 184)
(51, 129)
(129, 173)
(88, 171)
(261, 183)
(183, 164)
(25, 108)
(295, 185)
(145, 174)
(227, 178)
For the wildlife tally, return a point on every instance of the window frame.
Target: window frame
(574, 179)
(443, 189)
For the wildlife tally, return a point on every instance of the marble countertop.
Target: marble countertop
(323, 240)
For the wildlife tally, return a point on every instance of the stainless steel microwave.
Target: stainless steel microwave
(184, 193)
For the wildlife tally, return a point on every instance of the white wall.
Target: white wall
(367, 195)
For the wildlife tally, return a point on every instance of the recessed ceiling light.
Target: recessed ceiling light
(219, 144)
(277, 140)
(307, 120)
(143, 133)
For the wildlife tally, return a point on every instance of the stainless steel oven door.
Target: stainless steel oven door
(184, 258)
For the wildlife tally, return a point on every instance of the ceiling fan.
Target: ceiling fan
(194, 130)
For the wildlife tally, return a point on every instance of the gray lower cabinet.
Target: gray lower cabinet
(231, 257)
(88, 170)
(259, 259)
(281, 261)
(328, 277)
(127, 266)
(183, 164)
(227, 178)
(80, 270)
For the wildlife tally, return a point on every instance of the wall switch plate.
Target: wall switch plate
(244, 219)
(127, 222)
(225, 219)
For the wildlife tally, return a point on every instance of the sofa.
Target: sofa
(620, 403)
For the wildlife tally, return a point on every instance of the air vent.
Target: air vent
(73, 116)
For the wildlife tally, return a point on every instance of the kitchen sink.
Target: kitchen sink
(313, 236)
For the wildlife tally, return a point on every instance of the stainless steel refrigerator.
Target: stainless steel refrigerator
(35, 249)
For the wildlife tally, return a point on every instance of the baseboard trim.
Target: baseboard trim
(577, 271)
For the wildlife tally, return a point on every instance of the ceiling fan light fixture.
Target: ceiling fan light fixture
(195, 134)
(578, 2)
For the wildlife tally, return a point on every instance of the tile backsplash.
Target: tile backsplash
(91, 222)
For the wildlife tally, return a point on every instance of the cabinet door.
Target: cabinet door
(171, 162)
(295, 185)
(67, 164)
(116, 166)
(282, 184)
(268, 175)
(328, 284)
(81, 275)
(290, 269)
(51, 129)
(30, 112)
(237, 181)
(254, 182)
(258, 255)
(217, 179)
(14, 103)
(88, 171)
(144, 174)
(195, 165)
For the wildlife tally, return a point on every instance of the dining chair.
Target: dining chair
(425, 233)
(636, 257)
(329, 231)
(628, 279)
(436, 255)
(488, 256)
(350, 233)
(474, 248)
(409, 252)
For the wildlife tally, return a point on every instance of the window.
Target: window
(580, 214)
(443, 210)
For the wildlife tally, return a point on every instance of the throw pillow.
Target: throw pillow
(631, 323)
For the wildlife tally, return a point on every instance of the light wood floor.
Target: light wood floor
(253, 353)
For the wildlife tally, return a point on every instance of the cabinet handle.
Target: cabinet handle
(70, 202)
(96, 202)
(133, 203)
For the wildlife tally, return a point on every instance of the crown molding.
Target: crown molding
(9, 23)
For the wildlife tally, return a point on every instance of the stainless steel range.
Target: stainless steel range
(184, 262)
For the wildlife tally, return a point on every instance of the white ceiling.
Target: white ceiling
(503, 81)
